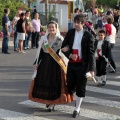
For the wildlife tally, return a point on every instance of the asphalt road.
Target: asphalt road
(101, 103)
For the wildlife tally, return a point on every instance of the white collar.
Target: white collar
(79, 31)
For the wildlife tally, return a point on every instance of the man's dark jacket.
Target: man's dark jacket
(87, 47)
(106, 49)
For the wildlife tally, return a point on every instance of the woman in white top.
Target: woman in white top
(111, 36)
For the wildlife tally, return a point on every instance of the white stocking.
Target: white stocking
(99, 79)
(104, 77)
(78, 103)
(74, 96)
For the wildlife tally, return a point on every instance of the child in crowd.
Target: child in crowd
(102, 48)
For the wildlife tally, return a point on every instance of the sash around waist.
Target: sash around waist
(76, 51)
(76, 61)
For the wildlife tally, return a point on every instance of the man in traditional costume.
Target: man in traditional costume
(78, 47)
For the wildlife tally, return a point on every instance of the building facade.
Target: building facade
(62, 10)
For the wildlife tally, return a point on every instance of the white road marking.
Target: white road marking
(11, 115)
(104, 102)
(114, 83)
(91, 114)
(103, 90)
(117, 77)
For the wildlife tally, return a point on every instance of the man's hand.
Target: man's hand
(8, 34)
(73, 56)
(96, 58)
(13, 32)
(92, 73)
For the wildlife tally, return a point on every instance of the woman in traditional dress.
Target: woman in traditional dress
(49, 85)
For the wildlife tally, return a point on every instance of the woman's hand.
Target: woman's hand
(65, 49)
(35, 67)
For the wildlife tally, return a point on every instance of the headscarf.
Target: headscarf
(44, 38)
(64, 58)
(57, 28)
(108, 28)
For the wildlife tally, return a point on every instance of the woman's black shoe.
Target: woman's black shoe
(47, 105)
(51, 108)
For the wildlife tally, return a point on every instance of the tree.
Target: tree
(12, 5)
(29, 2)
(88, 4)
(109, 3)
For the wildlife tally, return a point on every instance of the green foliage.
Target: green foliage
(88, 4)
(1, 28)
(29, 2)
(51, 14)
(44, 28)
(13, 5)
(108, 3)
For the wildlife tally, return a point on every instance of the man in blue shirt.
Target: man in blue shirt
(5, 24)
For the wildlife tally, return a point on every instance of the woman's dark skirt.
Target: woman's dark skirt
(49, 86)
